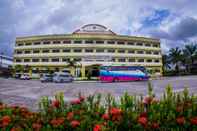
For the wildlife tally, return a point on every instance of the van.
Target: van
(60, 77)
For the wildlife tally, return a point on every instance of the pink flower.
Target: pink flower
(75, 123)
(76, 102)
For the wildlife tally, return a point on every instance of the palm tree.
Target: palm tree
(166, 62)
(190, 53)
(72, 64)
(175, 57)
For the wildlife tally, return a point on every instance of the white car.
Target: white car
(60, 77)
(25, 77)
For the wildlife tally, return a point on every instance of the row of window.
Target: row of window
(79, 59)
(87, 51)
(88, 42)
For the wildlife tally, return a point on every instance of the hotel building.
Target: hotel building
(90, 46)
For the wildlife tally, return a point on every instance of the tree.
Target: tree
(175, 57)
(190, 54)
(166, 62)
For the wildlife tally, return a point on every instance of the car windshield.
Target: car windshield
(64, 75)
(48, 75)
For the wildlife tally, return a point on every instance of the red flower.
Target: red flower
(180, 120)
(193, 121)
(76, 102)
(36, 126)
(57, 122)
(75, 123)
(115, 111)
(155, 125)
(56, 103)
(5, 121)
(70, 116)
(143, 121)
(97, 128)
(81, 98)
(105, 116)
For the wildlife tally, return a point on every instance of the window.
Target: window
(77, 50)
(19, 52)
(77, 59)
(157, 61)
(18, 60)
(20, 44)
(99, 50)
(45, 51)
(140, 52)
(120, 42)
(56, 42)
(27, 52)
(55, 50)
(121, 51)
(130, 43)
(55, 59)
(65, 59)
(131, 60)
(121, 60)
(148, 52)
(36, 51)
(26, 60)
(88, 50)
(89, 41)
(149, 60)
(113, 60)
(35, 60)
(99, 42)
(77, 41)
(28, 44)
(66, 41)
(141, 60)
(110, 42)
(156, 53)
(139, 44)
(155, 45)
(46, 42)
(110, 50)
(131, 51)
(148, 45)
(66, 50)
(45, 60)
(36, 43)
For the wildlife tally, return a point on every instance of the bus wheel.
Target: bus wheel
(115, 79)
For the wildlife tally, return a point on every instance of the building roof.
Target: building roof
(94, 29)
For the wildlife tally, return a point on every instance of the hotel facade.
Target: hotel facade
(88, 47)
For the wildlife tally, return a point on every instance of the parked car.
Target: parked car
(46, 78)
(25, 77)
(17, 76)
(60, 77)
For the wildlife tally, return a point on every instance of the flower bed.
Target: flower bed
(173, 111)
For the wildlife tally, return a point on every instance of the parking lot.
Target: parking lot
(28, 92)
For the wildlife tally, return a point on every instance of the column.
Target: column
(83, 72)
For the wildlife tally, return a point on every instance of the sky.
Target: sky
(174, 22)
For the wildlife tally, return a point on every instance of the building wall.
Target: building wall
(53, 51)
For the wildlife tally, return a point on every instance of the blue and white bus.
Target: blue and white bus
(122, 73)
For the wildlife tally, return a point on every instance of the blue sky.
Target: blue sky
(174, 22)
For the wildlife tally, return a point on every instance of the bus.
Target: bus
(122, 73)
